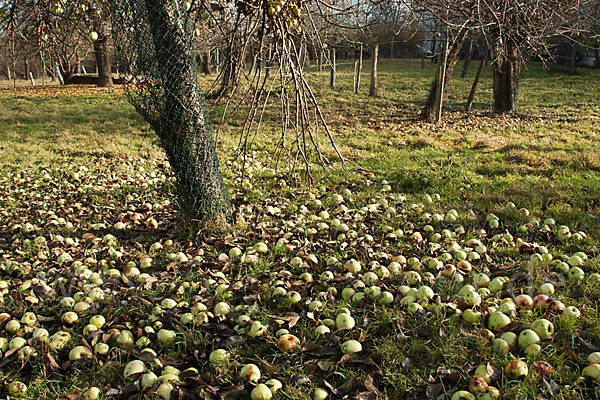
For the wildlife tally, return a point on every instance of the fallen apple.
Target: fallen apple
(261, 392)
(344, 321)
(523, 301)
(165, 390)
(17, 389)
(92, 393)
(287, 343)
(133, 369)
(527, 337)
(470, 316)
(592, 372)
(274, 385)
(320, 394)
(351, 346)
(533, 350)
(501, 346)
(352, 266)
(516, 369)
(572, 312)
(543, 328)
(498, 320)
(511, 338)
(594, 358)
(79, 352)
(219, 356)
(250, 372)
(166, 337)
(463, 395)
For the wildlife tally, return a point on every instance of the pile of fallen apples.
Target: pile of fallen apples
(71, 298)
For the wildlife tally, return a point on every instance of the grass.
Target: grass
(84, 155)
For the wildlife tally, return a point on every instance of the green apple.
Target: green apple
(501, 345)
(470, 316)
(528, 337)
(219, 356)
(133, 368)
(511, 338)
(261, 392)
(592, 372)
(17, 389)
(351, 346)
(79, 352)
(543, 328)
(344, 321)
(498, 320)
(463, 394)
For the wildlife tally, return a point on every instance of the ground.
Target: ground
(88, 194)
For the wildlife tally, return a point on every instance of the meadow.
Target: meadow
(429, 231)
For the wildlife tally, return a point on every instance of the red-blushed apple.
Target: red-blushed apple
(540, 302)
(523, 301)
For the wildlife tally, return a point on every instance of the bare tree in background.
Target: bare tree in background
(514, 30)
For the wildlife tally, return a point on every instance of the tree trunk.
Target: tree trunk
(475, 83)
(374, 61)
(232, 69)
(332, 72)
(360, 65)
(439, 96)
(206, 63)
(26, 68)
(571, 56)
(507, 73)
(423, 55)
(433, 46)
(429, 112)
(183, 124)
(102, 61)
(320, 63)
(465, 69)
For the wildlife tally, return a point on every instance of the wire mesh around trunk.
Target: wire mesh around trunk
(154, 48)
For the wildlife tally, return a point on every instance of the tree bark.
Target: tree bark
(320, 62)
(360, 65)
(429, 112)
(332, 71)
(475, 83)
(206, 63)
(439, 96)
(232, 68)
(102, 61)
(571, 56)
(183, 124)
(467, 63)
(374, 61)
(507, 74)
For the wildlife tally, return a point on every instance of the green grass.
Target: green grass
(85, 155)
